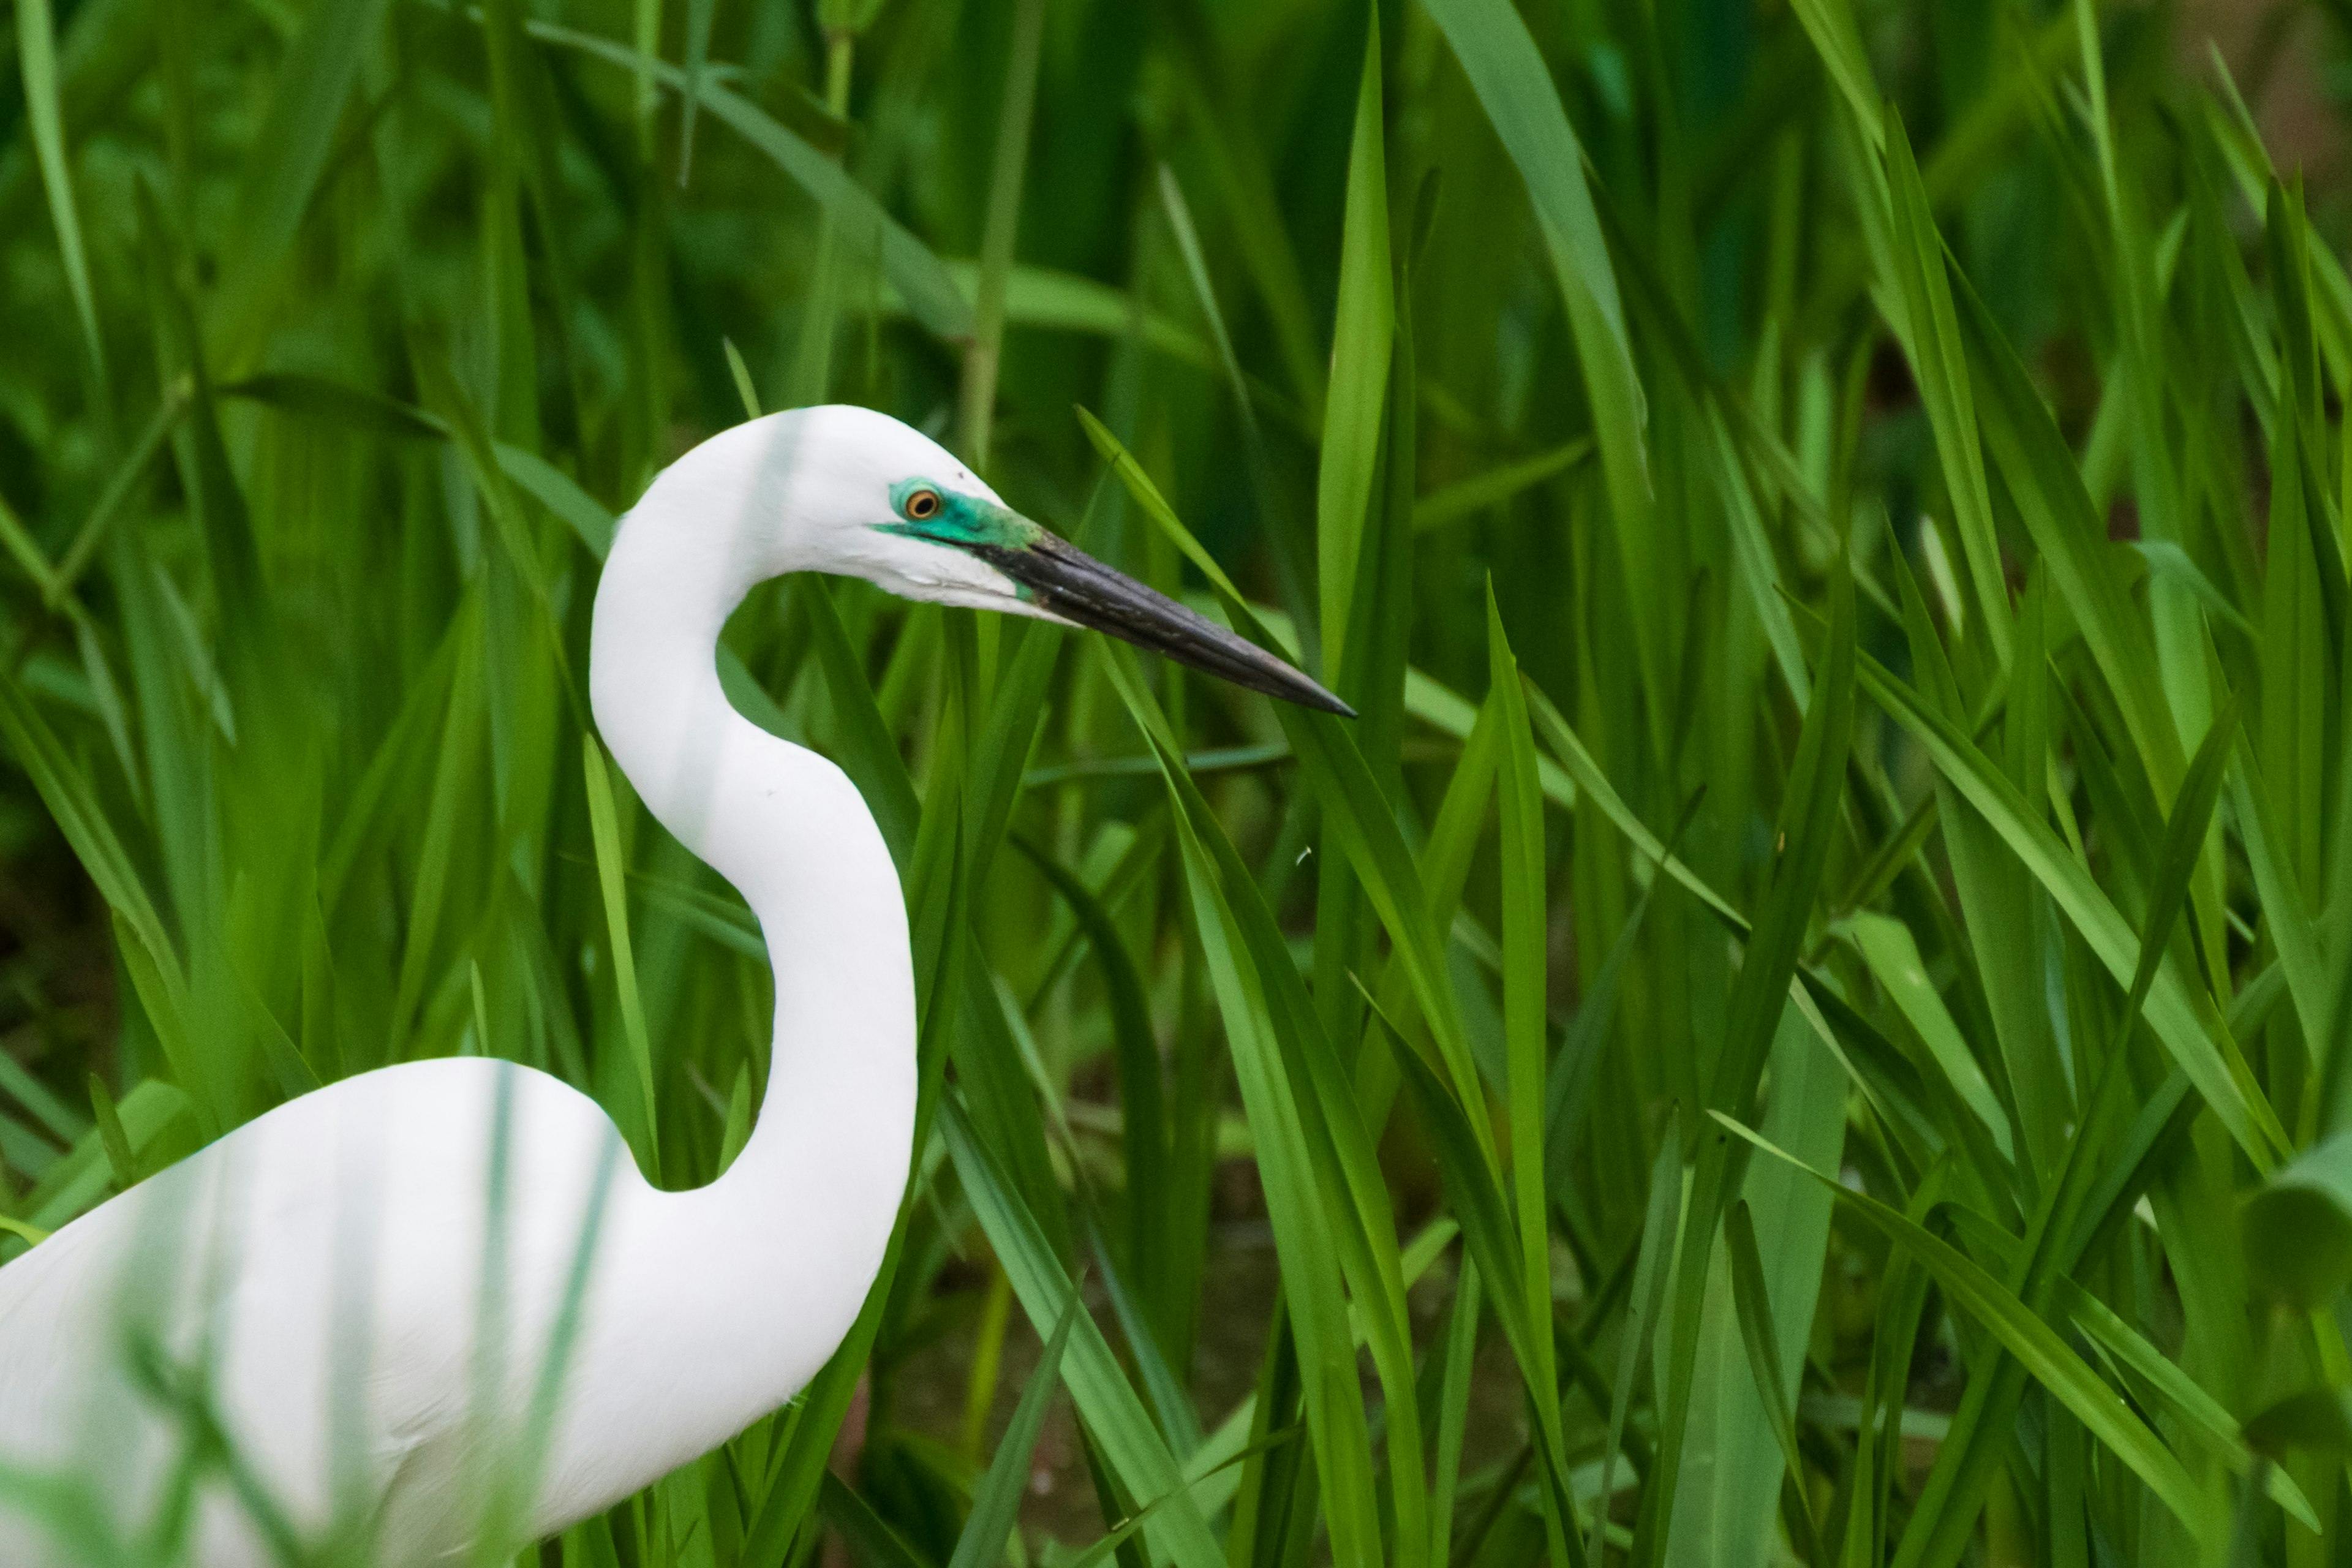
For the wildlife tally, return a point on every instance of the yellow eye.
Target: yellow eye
(923, 505)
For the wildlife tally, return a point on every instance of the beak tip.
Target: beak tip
(1081, 591)
(1295, 686)
(1304, 690)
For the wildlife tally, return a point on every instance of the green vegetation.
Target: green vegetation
(1807, 1021)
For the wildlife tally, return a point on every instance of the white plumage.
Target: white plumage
(374, 1326)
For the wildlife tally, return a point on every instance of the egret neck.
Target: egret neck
(774, 1259)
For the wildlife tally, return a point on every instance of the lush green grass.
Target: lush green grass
(1807, 1019)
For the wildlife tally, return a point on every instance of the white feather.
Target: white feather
(321, 1269)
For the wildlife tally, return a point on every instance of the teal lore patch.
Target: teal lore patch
(965, 521)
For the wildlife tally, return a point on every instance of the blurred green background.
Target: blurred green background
(1832, 512)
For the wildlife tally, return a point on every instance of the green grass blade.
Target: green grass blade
(1525, 930)
(1108, 1404)
(605, 828)
(1940, 366)
(295, 139)
(1461, 1344)
(2035, 1345)
(1579, 764)
(1652, 1260)
(66, 791)
(699, 16)
(1516, 91)
(1358, 394)
(1465, 498)
(1751, 1300)
(111, 1137)
(1807, 818)
(1887, 946)
(1351, 801)
(36, 64)
(874, 1543)
(866, 228)
(866, 751)
(1831, 26)
(2199, 1414)
(1143, 1127)
(1488, 1229)
(2067, 532)
(996, 1504)
(976, 414)
(2191, 1031)
(1296, 1199)
(1296, 1089)
(1757, 1003)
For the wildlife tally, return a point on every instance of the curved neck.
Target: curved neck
(777, 1256)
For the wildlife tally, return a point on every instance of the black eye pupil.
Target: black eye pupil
(924, 504)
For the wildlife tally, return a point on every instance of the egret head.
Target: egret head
(851, 492)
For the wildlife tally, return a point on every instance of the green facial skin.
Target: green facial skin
(967, 522)
(995, 534)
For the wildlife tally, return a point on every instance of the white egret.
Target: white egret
(369, 1283)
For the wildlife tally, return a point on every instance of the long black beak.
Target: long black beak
(1077, 588)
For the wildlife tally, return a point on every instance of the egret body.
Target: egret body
(425, 1288)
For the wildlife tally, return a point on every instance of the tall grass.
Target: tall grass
(1807, 1019)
